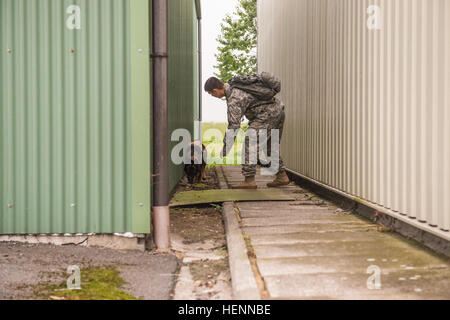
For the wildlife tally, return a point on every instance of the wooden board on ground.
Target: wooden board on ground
(229, 195)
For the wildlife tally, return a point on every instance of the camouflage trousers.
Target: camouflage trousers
(270, 118)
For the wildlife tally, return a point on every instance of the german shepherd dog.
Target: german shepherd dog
(196, 173)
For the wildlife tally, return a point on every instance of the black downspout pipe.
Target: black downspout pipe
(160, 210)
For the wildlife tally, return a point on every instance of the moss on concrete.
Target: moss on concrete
(96, 284)
(200, 186)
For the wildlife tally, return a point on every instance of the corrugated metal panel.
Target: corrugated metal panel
(367, 110)
(65, 117)
(182, 65)
(141, 142)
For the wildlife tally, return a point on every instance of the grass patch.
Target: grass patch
(213, 135)
(96, 284)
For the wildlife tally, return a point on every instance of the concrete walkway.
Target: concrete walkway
(310, 249)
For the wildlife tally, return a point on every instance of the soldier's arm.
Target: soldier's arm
(237, 104)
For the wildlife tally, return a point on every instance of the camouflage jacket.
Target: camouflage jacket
(247, 96)
(241, 103)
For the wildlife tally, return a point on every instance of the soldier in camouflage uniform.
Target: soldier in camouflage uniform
(263, 111)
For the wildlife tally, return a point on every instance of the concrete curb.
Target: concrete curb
(242, 278)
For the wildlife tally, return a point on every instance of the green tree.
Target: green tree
(238, 42)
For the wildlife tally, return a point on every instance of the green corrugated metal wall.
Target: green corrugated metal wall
(65, 117)
(182, 64)
(74, 113)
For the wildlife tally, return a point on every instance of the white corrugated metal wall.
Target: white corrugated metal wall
(368, 111)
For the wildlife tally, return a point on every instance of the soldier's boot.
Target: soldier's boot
(281, 180)
(248, 184)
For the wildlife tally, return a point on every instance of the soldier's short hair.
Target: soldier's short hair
(213, 83)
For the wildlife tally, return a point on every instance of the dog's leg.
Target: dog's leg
(204, 177)
(197, 178)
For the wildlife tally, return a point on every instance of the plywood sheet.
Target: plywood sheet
(219, 196)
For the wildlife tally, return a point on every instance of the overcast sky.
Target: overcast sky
(213, 12)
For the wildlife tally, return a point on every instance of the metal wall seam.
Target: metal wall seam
(446, 153)
(413, 154)
(406, 98)
(140, 115)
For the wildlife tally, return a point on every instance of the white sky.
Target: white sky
(213, 12)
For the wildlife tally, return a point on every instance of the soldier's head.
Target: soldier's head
(215, 87)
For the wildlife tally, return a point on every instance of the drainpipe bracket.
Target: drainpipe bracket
(159, 55)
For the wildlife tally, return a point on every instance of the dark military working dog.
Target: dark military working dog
(195, 168)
